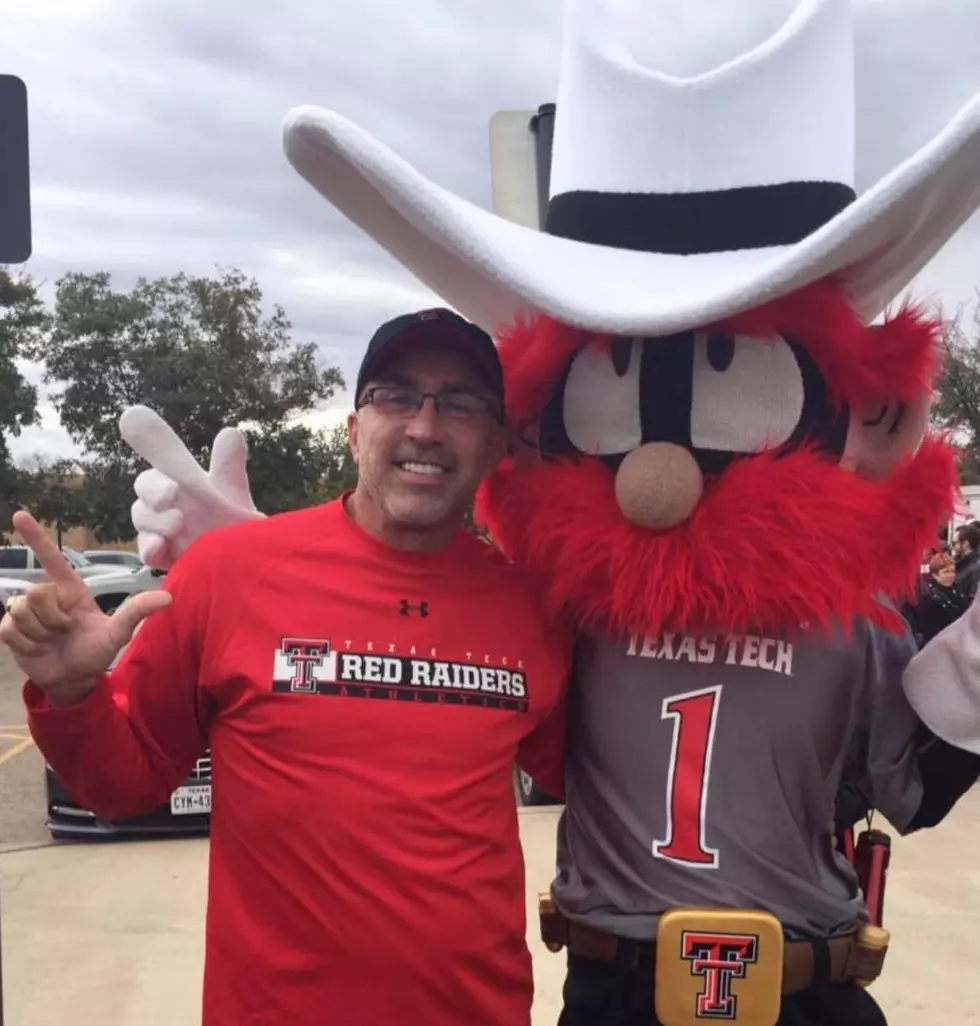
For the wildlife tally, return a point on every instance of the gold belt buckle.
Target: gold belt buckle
(718, 965)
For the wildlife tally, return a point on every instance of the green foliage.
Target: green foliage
(22, 320)
(56, 494)
(293, 468)
(200, 352)
(957, 404)
(108, 498)
(197, 350)
(341, 473)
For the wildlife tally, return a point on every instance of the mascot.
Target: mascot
(725, 479)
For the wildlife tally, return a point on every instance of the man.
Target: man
(965, 548)
(365, 673)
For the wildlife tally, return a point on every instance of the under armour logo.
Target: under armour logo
(406, 608)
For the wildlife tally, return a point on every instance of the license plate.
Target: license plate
(191, 800)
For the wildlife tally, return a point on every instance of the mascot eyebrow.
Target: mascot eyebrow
(862, 364)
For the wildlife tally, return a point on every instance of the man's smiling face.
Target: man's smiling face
(419, 469)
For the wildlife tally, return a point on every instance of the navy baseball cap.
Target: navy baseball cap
(473, 343)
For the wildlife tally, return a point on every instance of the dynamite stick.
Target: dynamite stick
(871, 858)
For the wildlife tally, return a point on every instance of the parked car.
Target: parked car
(143, 578)
(188, 810)
(114, 558)
(110, 590)
(111, 561)
(109, 587)
(19, 561)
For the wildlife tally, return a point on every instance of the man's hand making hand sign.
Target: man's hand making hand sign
(58, 635)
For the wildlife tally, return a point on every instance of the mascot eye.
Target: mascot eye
(747, 393)
(601, 406)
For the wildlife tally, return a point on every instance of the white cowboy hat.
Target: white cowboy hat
(678, 201)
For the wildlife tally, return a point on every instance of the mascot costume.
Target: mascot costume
(725, 479)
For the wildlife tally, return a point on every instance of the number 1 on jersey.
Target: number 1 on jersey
(694, 714)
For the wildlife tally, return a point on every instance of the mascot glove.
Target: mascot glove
(177, 500)
(942, 682)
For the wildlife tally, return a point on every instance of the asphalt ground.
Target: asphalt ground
(21, 768)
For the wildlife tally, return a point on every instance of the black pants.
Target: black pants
(604, 994)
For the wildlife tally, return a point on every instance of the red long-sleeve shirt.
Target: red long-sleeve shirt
(364, 707)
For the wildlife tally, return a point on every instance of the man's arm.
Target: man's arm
(122, 749)
(969, 581)
(542, 753)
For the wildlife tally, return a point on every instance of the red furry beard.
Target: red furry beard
(774, 544)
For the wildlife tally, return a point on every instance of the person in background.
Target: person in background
(939, 602)
(966, 549)
(366, 674)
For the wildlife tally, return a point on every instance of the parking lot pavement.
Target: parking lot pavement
(21, 767)
(111, 934)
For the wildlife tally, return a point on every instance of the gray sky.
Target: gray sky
(156, 137)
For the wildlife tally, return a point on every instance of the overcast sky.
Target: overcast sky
(156, 141)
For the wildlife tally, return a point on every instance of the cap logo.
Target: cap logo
(430, 315)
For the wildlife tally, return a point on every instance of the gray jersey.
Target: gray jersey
(703, 772)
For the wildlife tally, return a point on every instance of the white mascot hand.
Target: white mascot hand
(177, 501)
(942, 682)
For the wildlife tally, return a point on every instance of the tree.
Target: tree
(107, 493)
(22, 319)
(294, 467)
(199, 351)
(957, 406)
(341, 474)
(56, 493)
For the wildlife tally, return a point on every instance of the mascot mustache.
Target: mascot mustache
(774, 541)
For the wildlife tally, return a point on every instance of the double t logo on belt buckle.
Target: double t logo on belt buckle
(721, 965)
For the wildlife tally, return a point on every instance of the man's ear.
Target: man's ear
(352, 427)
(881, 436)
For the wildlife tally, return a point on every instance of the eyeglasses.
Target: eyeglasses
(397, 401)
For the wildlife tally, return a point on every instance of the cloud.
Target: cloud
(156, 126)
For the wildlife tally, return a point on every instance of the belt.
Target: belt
(805, 963)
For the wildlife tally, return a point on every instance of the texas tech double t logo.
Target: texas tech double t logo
(719, 958)
(304, 656)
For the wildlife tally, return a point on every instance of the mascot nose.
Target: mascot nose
(658, 485)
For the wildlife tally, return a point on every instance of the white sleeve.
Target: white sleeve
(942, 682)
